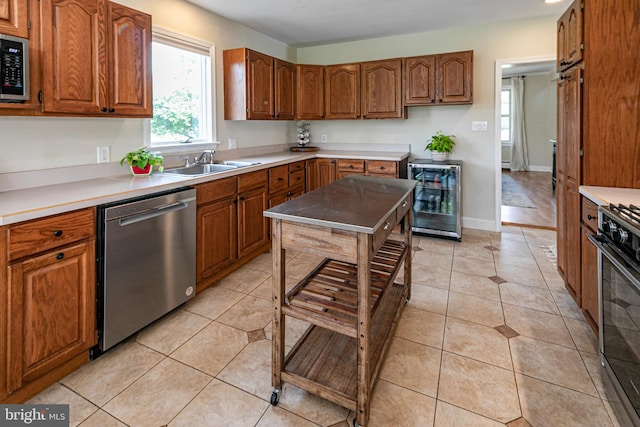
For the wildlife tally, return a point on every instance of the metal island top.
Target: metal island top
(355, 203)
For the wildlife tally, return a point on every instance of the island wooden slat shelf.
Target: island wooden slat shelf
(350, 299)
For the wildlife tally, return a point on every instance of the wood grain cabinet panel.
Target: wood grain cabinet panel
(96, 58)
(13, 18)
(381, 89)
(261, 86)
(420, 80)
(284, 90)
(446, 78)
(327, 171)
(342, 91)
(569, 36)
(216, 243)
(309, 92)
(253, 228)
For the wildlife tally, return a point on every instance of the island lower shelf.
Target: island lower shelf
(324, 361)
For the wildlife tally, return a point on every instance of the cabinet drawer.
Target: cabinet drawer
(296, 178)
(385, 230)
(278, 178)
(42, 234)
(215, 190)
(404, 207)
(297, 166)
(250, 180)
(382, 167)
(590, 214)
(351, 165)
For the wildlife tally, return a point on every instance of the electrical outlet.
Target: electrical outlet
(324, 137)
(104, 155)
(233, 143)
(478, 126)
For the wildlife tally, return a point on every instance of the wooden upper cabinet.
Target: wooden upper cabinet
(309, 92)
(454, 78)
(257, 86)
(96, 58)
(420, 80)
(74, 56)
(341, 91)
(381, 89)
(284, 90)
(260, 84)
(570, 36)
(130, 90)
(13, 18)
(446, 78)
(570, 123)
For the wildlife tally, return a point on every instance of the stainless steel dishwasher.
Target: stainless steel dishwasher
(146, 261)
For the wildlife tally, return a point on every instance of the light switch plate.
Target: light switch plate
(324, 137)
(233, 143)
(478, 126)
(104, 155)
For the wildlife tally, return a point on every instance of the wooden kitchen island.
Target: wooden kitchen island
(361, 226)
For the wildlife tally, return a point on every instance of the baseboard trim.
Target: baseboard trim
(540, 168)
(478, 224)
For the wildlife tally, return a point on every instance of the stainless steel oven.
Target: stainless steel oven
(618, 243)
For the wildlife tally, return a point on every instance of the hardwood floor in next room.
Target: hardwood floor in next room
(537, 185)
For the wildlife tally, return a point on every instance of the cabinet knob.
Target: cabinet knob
(57, 233)
(112, 110)
(381, 168)
(563, 77)
(387, 225)
(433, 100)
(241, 197)
(405, 203)
(590, 217)
(103, 109)
(60, 255)
(440, 100)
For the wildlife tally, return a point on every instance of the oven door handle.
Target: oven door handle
(598, 242)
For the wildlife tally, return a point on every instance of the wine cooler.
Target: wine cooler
(437, 197)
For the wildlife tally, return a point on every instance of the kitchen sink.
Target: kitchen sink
(200, 169)
(238, 164)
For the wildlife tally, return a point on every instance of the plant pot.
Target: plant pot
(136, 171)
(439, 157)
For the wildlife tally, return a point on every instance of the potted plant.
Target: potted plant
(142, 161)
(440, 146)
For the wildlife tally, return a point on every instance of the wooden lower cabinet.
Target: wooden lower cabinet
(52, 314)
(589, 295)
(230, 227)
(327, 171)
(572, 242)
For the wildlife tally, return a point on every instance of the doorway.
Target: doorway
(525, 196)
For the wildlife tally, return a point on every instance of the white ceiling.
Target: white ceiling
(315, 22)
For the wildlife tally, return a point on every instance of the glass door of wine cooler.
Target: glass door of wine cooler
(437, 197)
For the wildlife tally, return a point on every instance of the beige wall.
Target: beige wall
(40, 143)
(528, 38)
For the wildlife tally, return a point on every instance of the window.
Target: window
(182, 91)
(505, 115)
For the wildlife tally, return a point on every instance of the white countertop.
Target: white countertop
(607, 195)
(37, 202)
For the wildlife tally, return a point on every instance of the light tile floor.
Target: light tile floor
(489, 338)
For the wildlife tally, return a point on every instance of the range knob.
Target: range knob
(609, 227)
(620, 235)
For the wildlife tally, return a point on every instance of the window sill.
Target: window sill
(187, 147)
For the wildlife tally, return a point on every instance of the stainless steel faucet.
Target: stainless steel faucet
(203, 157)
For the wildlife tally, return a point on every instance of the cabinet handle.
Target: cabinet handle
(590, 217)
(57, 233)
(112, 110)
(405, 203)
(386, 226)
(60, 255)
(381, 168)
(241, 197)
(563, 77)
(440, 100)
(281, 179)
(433, 100)
(103, 109)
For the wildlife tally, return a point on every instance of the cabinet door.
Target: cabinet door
(13, 18)
(572, 241)
(589, 279)
(284, 90)
(74, 52)
(420, 80)
(455, 77)
(217, 241)
(561, 231)
(52, 311)
(342, 91)
(309, 92)
(253, 228)
(569, 34)
(381, 89)
(327, 171)
(311, 175)
(571, 139)
(260, 86)
(130, 61)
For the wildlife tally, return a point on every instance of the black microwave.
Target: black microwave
(14, 69)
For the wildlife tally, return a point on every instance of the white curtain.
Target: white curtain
(519, 155)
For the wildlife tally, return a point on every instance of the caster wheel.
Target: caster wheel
(275, 397)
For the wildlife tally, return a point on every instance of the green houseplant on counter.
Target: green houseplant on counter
(142, 161)
(440, 146)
